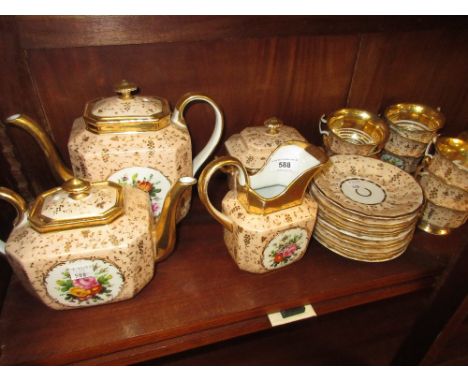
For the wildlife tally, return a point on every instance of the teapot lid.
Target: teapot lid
(126, 112)
(255, 144)
(77, 204)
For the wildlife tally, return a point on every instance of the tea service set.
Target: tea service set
(98, 237)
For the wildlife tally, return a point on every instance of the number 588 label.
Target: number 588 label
(285, 163)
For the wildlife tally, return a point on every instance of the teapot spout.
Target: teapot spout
(164, 233)
(32, 127)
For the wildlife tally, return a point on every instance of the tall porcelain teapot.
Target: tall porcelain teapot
(268, 218)
(85, 244)
(130, 139)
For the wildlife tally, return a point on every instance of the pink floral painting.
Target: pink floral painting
(284, 249)
(97, 287)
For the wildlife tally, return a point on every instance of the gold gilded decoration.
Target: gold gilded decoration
(354, 131)
(432, 229)
(164, 232)
(126, 113)
(249, 198)
(16, 201)
(415, 118)
(125, 89)
(75, 187)
(32, 127)
(454, 149)
(273, 125)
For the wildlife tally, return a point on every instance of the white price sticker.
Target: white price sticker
(81, 272)
(285, 163)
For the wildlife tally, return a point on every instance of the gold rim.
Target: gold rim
(353, 256)
(452, 149)
(337, 214)
(375, 216)
(367, 251)
(373, 126)
(341, 239)
(426, 115)
(126, 124)
(345, 223)
(372, 217)
(44, 224)
(359, 230)
(292, 195)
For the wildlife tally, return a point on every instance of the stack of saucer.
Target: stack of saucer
(368, 209)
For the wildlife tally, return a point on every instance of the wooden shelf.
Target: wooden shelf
(198, 296)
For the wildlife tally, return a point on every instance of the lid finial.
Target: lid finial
(125, 89)
(77, 188)
(273, 124)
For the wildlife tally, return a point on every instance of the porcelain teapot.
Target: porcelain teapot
(130, 139)
(268, 218)
(84, 244)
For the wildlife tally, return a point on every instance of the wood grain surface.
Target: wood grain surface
(78, 31)
(422, 67)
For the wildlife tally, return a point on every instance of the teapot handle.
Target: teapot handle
(204, 180)
(178, 119)
(20, 205)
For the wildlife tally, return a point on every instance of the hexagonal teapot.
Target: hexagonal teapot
(130, 139)
(85, 244)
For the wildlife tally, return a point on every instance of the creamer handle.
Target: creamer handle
(178, 119)
(204, 180)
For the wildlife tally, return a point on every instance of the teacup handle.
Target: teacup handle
(323, 120)
(419, 172)
(429, 146)
(204, 180)
(377, 149)
(178, 118)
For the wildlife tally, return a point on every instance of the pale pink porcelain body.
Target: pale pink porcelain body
(262, 243)
(167, 151)
(87, 266)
